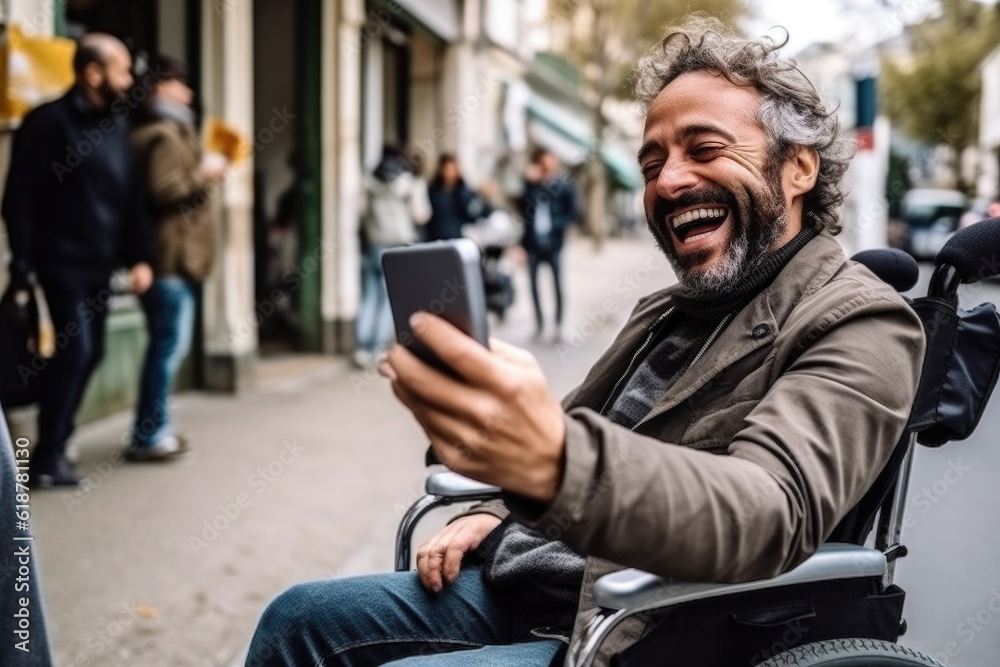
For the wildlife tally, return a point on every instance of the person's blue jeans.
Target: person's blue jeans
(392, 619)
(169, 306)
(374, 324)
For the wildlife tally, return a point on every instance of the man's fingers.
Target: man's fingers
(425, 383)
(434, 398)
(429, 569)
(452, 563)
(510, 352)
(458, 351)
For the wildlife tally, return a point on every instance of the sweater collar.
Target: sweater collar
(806, 272)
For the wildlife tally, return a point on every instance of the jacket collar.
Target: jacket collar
(755, 326)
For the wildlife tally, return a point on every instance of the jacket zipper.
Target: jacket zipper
(649, 338)
(711, 339)
(628, 369)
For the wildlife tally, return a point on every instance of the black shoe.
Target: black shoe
(59, 475)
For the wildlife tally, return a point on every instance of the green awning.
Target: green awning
(622, 168)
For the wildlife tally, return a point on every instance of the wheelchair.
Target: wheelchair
(845, 582)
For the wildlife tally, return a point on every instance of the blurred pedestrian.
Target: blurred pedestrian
(453, 203)
(993, 210)
(175, 177)
(549, 207)
(282, 257)
(74, 213)
(395, 204)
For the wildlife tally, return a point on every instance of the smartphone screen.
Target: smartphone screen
(440, 277)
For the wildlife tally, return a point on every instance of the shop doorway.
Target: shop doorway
(283, 207)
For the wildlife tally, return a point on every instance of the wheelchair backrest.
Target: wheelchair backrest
(961, 361)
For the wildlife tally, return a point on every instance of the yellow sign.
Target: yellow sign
(226, 140)
(33, 70)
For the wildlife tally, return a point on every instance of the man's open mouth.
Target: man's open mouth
(698, 223)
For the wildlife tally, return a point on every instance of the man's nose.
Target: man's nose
(675, 177)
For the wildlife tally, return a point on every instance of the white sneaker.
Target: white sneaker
(155, 452)
(363, 359)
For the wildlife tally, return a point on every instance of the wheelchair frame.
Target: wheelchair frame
(627, 592)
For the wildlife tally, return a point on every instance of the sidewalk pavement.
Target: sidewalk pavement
(171, 564)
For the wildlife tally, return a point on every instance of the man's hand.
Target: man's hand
(497, 422)
(440, 558)
(140, 277)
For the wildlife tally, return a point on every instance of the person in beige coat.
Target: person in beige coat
(175, 179)
(736, 419)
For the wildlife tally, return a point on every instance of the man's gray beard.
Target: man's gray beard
(738, 260)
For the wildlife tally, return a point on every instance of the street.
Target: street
(952, 575)
(308, 476)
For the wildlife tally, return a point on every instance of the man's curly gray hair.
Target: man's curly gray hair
(791, 111)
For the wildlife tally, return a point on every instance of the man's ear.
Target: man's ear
(801, 171)
(93, 75)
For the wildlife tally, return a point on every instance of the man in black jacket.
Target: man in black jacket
(549, 208)
(74, 212)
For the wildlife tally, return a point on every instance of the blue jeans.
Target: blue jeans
(169, 306)
(391, 619)
(374, 326)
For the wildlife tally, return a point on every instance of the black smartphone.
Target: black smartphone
(440, 277)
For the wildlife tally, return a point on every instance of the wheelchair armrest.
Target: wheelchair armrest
(636, 590)
(453, 485)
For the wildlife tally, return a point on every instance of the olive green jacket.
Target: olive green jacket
(753, 457)
(168, 157)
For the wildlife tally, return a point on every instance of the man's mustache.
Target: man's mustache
(705, 195)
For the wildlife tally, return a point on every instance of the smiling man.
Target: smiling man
(736, 419)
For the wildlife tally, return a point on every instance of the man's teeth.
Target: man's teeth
(697, 214)
(698, 236)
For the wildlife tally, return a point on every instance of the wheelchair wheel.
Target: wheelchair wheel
(851, 653)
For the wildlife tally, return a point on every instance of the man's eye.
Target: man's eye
(650, 170)
(705, 151)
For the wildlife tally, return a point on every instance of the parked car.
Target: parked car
(930, 218)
